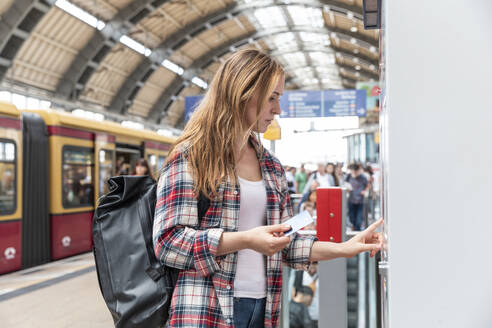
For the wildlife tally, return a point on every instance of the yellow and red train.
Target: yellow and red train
(53, 168)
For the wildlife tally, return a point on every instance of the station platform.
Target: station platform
(59, 294)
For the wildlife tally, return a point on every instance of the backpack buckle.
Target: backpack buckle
(153, 273)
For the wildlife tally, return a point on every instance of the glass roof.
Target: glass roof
(306, 56)
(270, 17)
(295, 59)
(306, 16)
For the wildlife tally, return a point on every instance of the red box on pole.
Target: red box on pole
(330, 214)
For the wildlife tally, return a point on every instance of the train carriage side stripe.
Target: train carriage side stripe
(12, 123)
(69, 132)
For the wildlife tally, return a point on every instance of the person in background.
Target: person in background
(359, 187)
(321, 177)
(293, 170)
(142, 168)
(298, 308)
(124, 169)
(310, 203)
(330, 170)
(340, 174)
(309, 278)
(301, 179)
(119, 165)
(318, 178)
(369, 200)
(7, 183)
(306, 195)
(291, 181)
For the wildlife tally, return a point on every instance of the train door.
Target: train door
(72, 191)
(10, 192)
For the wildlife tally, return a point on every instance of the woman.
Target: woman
(142, 168)
(310, 203)
(330, 170)
(230, 260)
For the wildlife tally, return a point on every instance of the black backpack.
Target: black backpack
(136, 288)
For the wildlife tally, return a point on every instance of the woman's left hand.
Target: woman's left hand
(365, 241)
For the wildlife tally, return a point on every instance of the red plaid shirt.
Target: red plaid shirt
(204, 292)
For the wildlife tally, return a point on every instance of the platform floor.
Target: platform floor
(56, 295)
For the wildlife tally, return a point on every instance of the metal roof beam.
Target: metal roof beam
(166, 98)
(327, 50)
(363, 75)
(165, 50)
(94, 52)
(16, 25)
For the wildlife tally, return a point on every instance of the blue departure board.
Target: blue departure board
(308, 103)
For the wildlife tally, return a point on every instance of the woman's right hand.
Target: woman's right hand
(268, 240)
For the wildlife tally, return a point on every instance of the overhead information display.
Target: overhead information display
(323, 103)
(305, 103)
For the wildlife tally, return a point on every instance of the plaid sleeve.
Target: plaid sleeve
(296, 254)
(178, 242)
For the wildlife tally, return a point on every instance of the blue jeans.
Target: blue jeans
(356, 215)
(249, 312)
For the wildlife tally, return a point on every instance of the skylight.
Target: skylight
(270, 17)
(165, 132)
(5, 96)
(133, 125)
(306, 16)
(134, 45)
(317, 38)
(310, 81)
(88, 114)
(327, 70)
(173, 67)
(80, 14)
(295, 59)
(284, 40)
(322, 58)
(304, 72)
(198, 81)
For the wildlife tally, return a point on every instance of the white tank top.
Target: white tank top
(250, 280)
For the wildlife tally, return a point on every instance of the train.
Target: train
(53, 169)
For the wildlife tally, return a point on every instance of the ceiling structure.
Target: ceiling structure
(140, 58)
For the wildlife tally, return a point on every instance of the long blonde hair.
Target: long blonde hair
(220, 119)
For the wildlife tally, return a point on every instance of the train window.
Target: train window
(8, 178)
(105, 170)
(160, 162)
(152, 160)
(78, 172)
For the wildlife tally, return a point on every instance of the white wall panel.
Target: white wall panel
(439, 159)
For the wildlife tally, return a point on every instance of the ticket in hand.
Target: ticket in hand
(298, 222)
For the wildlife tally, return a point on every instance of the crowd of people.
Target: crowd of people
(362, 185)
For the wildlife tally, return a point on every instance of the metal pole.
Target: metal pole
(333, 293)
(284, 315)
(361, 309)
(372, 293)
